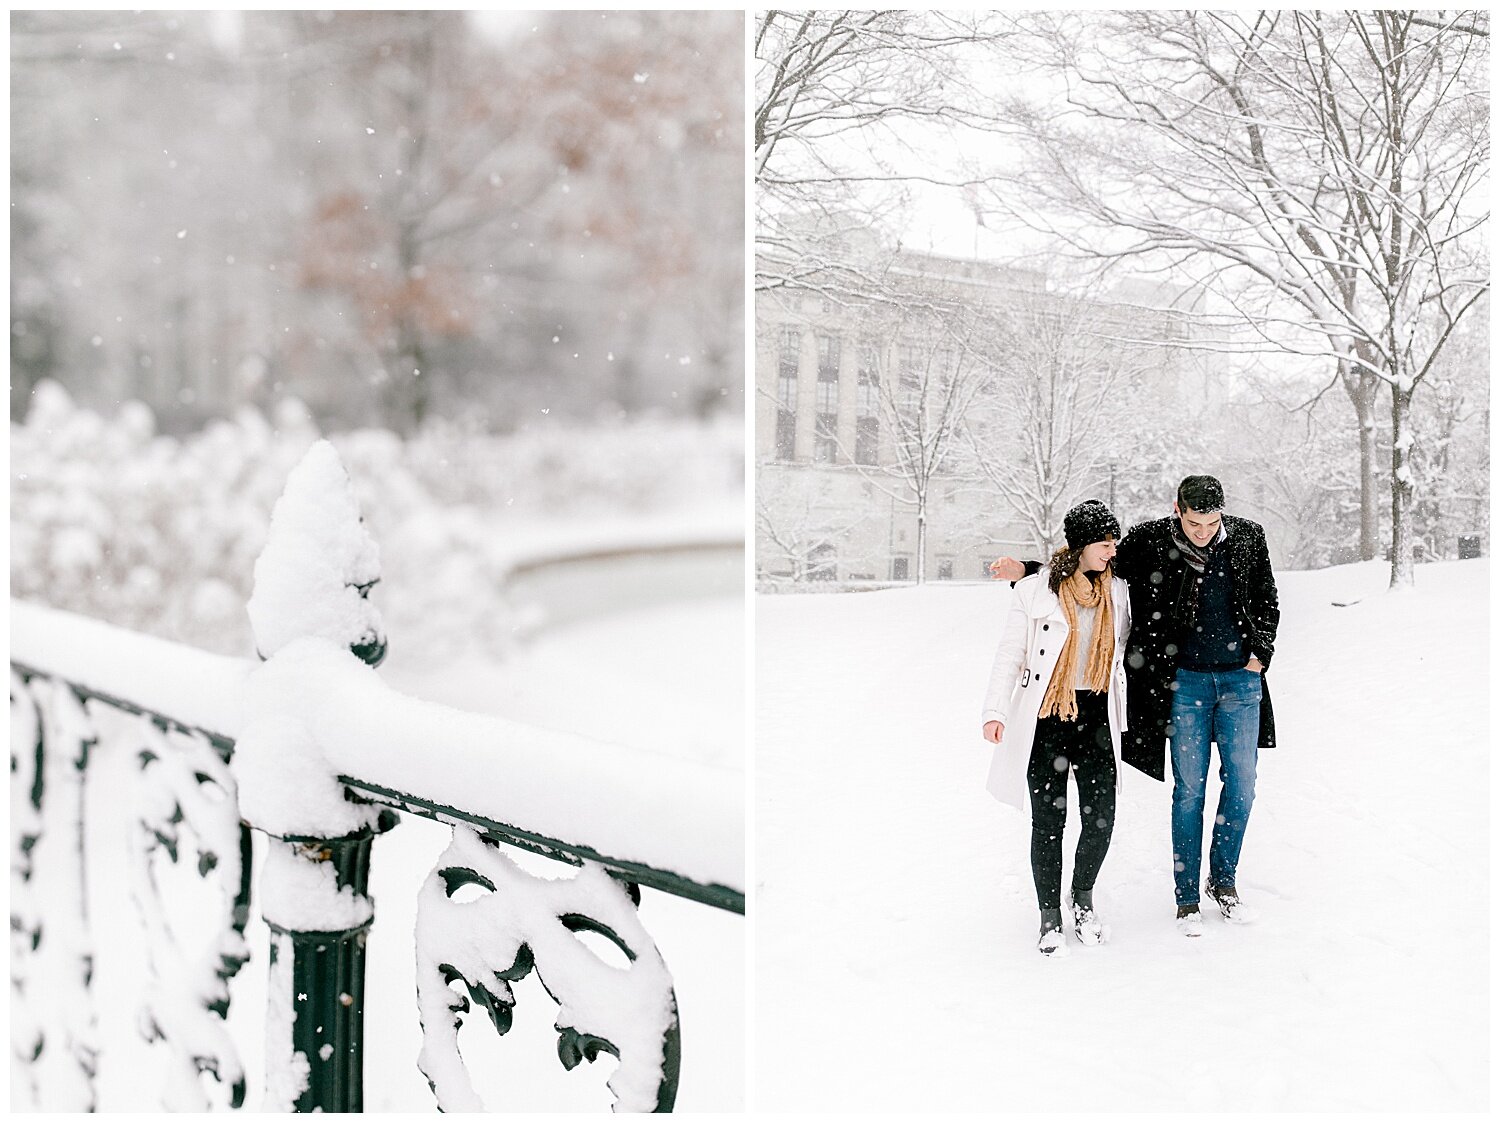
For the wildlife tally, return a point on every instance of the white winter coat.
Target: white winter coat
(1029, 647)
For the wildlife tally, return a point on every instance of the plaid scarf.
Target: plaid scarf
(1060, 699)
(1197, 558)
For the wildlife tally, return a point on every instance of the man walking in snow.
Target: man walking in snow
(1204, 608)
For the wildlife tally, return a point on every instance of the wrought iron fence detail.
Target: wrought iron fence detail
(26, 1034)
(54, 963)
(484, 922)
(189, 813)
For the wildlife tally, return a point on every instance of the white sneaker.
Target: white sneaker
(1190, 923)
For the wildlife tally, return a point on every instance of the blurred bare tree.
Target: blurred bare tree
(388, 214)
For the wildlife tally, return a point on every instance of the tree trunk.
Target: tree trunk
(921, 540)
(1403, 573)
(1362, 387)
(1369, 517)
(407, 396)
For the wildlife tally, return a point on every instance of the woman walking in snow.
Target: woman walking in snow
(1056, 703)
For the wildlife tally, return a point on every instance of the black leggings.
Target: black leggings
(1085, 745)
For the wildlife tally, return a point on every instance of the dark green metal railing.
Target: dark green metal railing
(327, 969)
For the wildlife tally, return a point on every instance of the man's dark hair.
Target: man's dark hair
(1201, 493)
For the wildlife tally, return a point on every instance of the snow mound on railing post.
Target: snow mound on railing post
(314, 576)
(310, 604)
(310, 615)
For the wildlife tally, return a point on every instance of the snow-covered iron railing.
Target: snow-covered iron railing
(311, 748)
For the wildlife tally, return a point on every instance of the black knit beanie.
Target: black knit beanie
(1089, 522)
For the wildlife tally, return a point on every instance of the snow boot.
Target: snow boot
(1052, 940)
(1087, 926)
(1189, 920)
(1233, 910)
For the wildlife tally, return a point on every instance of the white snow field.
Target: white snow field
(895, 918)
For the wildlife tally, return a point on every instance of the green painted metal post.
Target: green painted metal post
(328, 980)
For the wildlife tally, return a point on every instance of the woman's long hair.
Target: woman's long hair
(1063, 565)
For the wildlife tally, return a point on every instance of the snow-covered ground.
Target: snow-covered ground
(895, 919)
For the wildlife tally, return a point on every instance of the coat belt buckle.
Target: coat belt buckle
(1025, 677)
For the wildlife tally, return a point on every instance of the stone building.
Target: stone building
(833, 501)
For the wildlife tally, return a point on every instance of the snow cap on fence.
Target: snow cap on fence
(319, 562)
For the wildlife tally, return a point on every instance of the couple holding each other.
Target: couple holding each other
(1117, 646)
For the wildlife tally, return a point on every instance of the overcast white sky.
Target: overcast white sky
(226, 25)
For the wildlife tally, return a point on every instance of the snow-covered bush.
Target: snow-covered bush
(161, 534)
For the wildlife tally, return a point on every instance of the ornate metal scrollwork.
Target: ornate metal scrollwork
(188, 809)
(27, 1037)
(53, 1033)
(520, 923)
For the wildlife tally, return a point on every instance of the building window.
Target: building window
(790, 357)
(869, 380)
(826, 440)
(900, 568)
(786, 394)
(867, 406)
(942, 365)
(822, 563)
(945, 569)
(786, 435)
(825, 446)
(830, 352)
(911, 376)
(866, 440)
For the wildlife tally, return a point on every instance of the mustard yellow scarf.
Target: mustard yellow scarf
(1060, 701)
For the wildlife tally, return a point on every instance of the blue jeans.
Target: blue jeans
(1222, 707)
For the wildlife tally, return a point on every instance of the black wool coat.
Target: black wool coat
(1159, 577)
